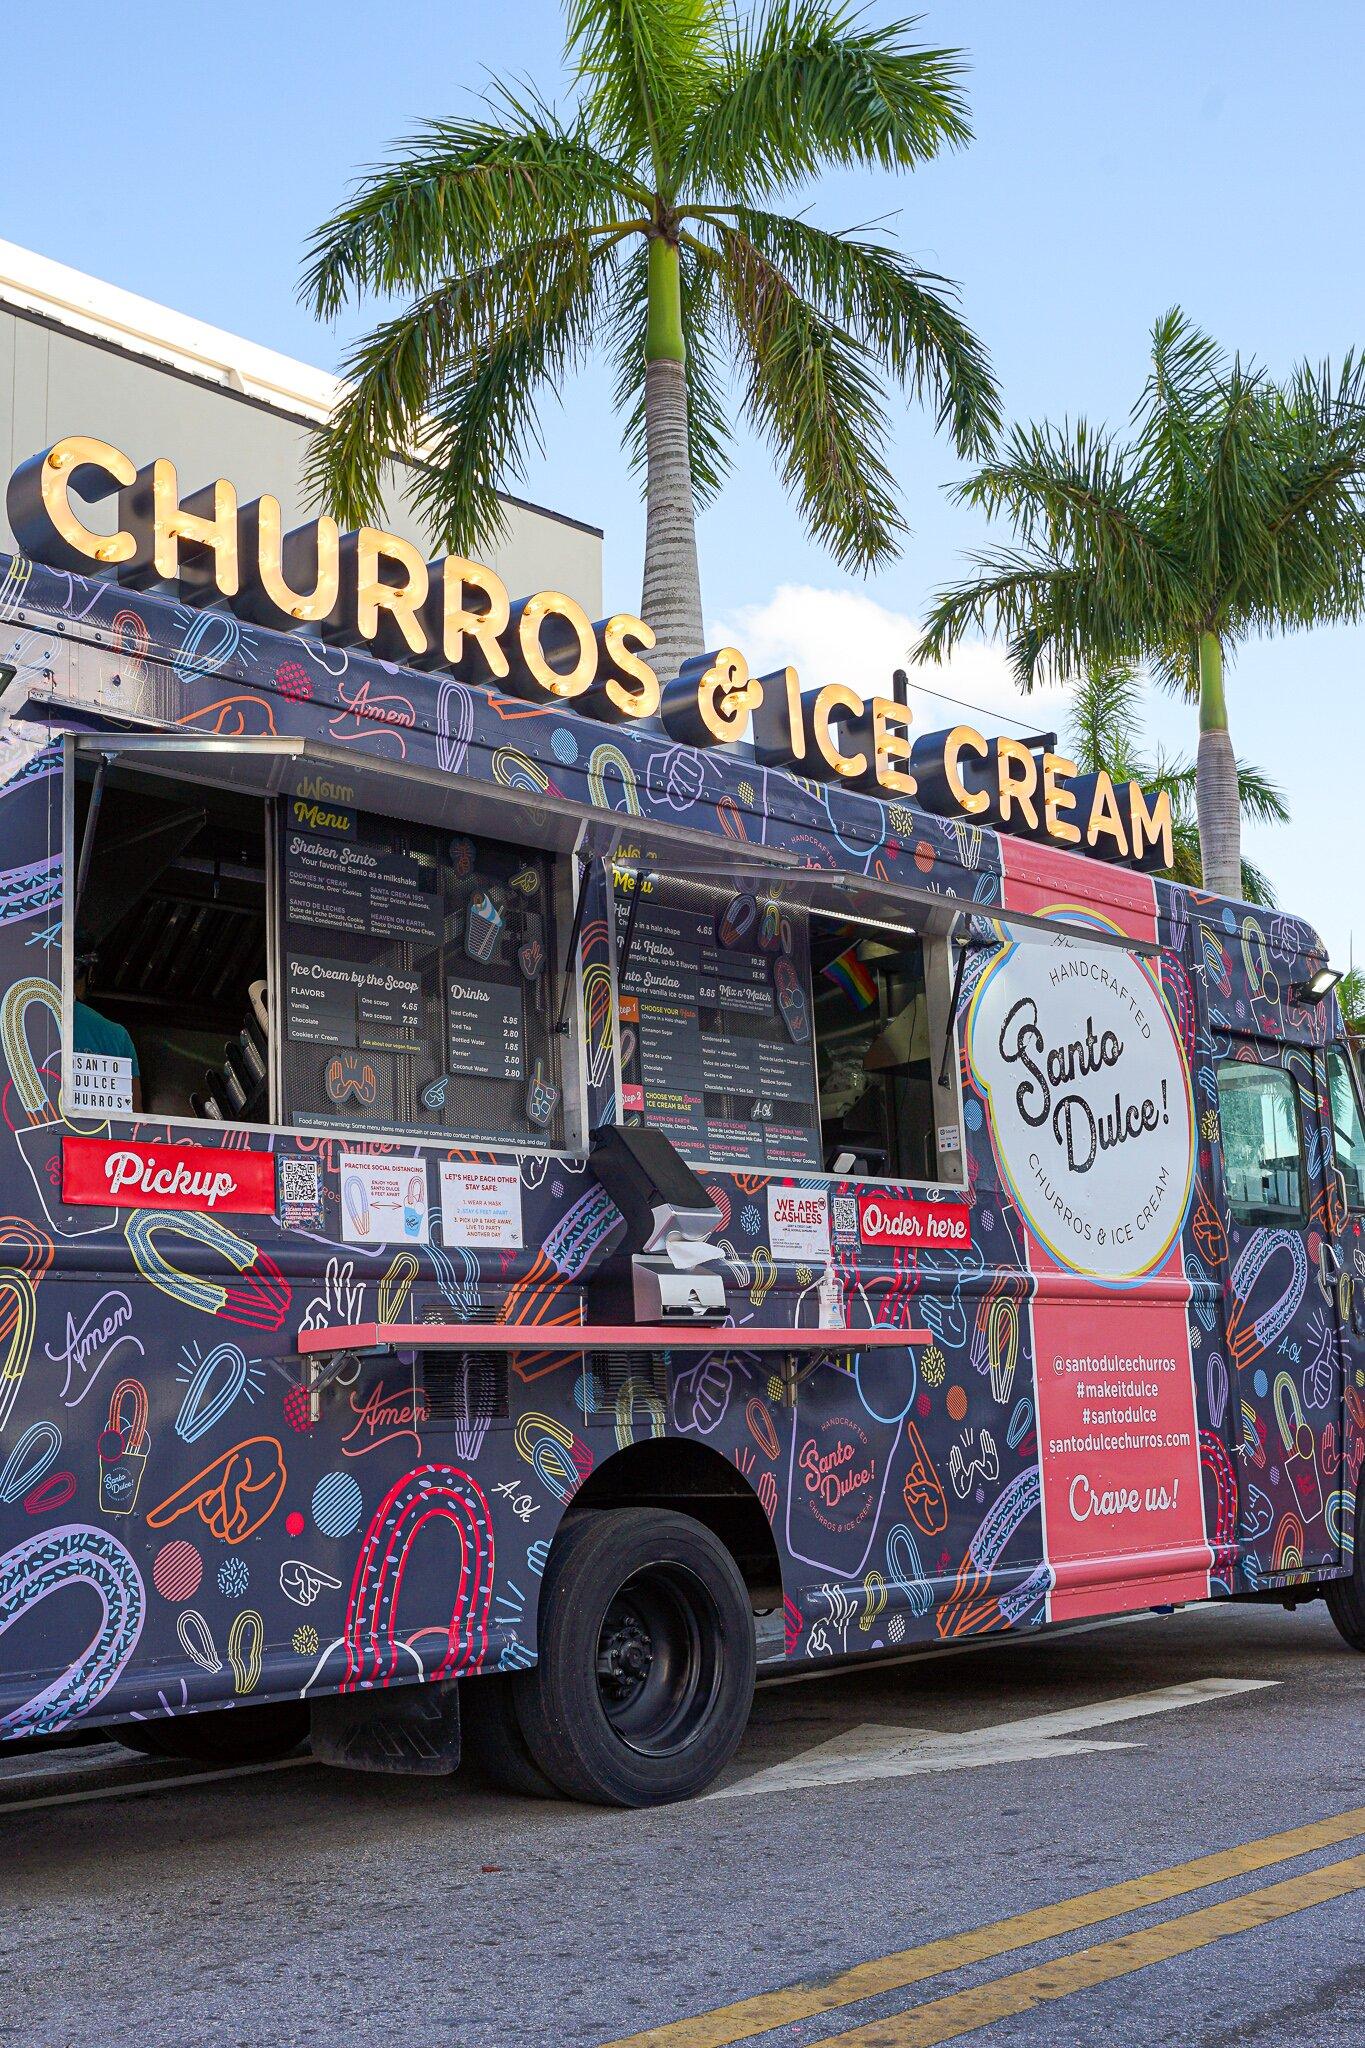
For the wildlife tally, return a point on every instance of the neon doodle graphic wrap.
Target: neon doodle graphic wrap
(53, 1563)
(440, 1493)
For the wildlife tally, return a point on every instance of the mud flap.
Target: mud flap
(407, 1730)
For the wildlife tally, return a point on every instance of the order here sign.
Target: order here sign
(896, 1219)
(201, 1177)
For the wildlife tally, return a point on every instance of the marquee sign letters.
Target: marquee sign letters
(374, 589)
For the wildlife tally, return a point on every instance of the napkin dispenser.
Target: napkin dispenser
(664, 1270)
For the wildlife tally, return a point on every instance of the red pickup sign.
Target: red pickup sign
(899, 1219)
(203, 1177)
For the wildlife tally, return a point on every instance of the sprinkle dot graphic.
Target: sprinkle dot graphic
(234, 1576)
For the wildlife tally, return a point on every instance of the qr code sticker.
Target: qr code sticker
(845, 1216)
(299, 1185)
(300, 1180)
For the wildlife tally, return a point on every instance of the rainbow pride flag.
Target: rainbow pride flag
(858, 982)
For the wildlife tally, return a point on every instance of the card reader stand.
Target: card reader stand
(664, 1269)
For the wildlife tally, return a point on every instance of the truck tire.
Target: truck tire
(1346, 1597)
(493, 1741)
(239, 1735)
(645, 1674)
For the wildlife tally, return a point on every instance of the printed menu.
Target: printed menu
(484, 1021)
(343, 885)
(710, 1055)
(339, 1002)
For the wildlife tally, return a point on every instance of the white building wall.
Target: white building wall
(81, 357)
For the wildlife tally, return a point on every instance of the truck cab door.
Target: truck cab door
(1285, 1338)
(1346, 1119)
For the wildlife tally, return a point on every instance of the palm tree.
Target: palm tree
(640, 223)
(1235, 507)
(1104, 731)
(1350, 994)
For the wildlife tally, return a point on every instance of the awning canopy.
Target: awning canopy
(901, 906)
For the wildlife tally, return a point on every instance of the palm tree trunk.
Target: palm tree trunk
(1217, 798)
(671, 601)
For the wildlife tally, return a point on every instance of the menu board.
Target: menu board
(341, 1002)
(484, 1025)
(716, 1035)
(343, 885)
(416, 979)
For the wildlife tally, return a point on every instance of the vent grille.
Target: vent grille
(618, 1383)
(467, 1389)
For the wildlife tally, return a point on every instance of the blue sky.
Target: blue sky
(1126, 157)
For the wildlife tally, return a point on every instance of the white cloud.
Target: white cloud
(844, 636)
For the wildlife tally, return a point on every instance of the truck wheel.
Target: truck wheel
(241, 1735)
(645, 1675)
(1346, 1597)
(491, 1736)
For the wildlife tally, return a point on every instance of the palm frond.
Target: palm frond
(1104, 720)
(809, 83)
(471, 412)
(1305, 562)
(1074, 490)
(1227, 529)
(903, 315)
(459, 193)
(816, 395)
(1176, 406)
(645, 65)
(1257, 886)
(1052, 616)
(708, 418)
(1263, 802)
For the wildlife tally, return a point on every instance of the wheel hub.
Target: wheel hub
(625, 1656)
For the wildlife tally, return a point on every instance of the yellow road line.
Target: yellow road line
(748, 2016)
(962, 2012)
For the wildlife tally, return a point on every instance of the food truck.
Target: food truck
(533, 1193)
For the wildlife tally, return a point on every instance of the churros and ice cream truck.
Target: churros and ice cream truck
(533, 1193)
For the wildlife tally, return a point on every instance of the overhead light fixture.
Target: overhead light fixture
(1318, 986)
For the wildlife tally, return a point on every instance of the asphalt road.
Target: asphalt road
(299, 1905)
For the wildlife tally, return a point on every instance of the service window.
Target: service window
(171, 947)
(1348, 1130)
(873, 1046)
(259, 960)
(1258, 1109)
(764, 1034)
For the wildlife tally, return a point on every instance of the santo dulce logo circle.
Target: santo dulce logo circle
(839, 1472)
(1091, 1111)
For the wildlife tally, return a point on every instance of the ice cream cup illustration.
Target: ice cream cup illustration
(123, 1448)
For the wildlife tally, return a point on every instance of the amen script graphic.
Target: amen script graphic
(91, 1343)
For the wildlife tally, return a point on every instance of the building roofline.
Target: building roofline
(54, 295)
